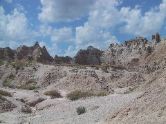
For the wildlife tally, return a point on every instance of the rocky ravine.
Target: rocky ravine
(131, 76)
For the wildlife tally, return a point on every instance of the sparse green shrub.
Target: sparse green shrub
(30, 85)
(17, 65)
(5, 93)
(26, 109)
(102, 94)
(81, 110)
(8, 80)
(2, 98)
(27, 86)
(1, 63)
(53, 94)
(104, 68)
(75, 95)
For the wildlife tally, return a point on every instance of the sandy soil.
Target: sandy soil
(63, 111)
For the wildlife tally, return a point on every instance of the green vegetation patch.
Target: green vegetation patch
(53, 94)
(5, 93)
(80, 110)
(8, 80)
(1, 63)
(30, 85)
(75, 95)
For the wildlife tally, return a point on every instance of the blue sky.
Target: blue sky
(65, 26)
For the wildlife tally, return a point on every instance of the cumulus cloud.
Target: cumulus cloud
(143, 24)
(105, 15)
(90, 35)
(96, 31)
(14, 28)
(57, 36)
(63, 10)
(9, 1)
(62, 35)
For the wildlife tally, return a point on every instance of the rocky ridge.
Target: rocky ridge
(33, 53)
(90, 56)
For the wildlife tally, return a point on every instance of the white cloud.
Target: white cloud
(90, 35)
(62, 35)
(57, 36)
(104, 13)
(143, 24)
(96, 31)
(14, 28)
(9, 1)
(105, 16)
(64, 10)
(71, 51)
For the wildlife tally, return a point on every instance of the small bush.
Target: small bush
(102, 94)
(30, 85)
(27, 87)
(81, 110)
(26, 109)
(5, 93)
(17, 65)
(53, 94)
(8, 80)
(1, 63)
(104, 68)
(75, 95)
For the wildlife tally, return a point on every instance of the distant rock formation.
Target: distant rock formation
(7, 54)
(62, 60)
(35, 53)
(90, 56)
(128, 53)
(156, 38)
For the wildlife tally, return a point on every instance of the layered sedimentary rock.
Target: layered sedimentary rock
(128, 52)
(90, 56)
(35, 53)
(7, 54)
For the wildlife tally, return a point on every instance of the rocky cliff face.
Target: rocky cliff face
(7, 54)
(131, 53)
(33, 53)
(90, 56)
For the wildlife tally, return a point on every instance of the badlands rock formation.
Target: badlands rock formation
(7, 54)
(128, 81)
(34, 53)
(90, 56)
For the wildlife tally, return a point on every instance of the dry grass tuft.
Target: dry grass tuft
(53, 94)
